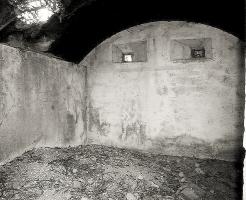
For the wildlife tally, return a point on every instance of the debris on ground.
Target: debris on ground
(94, 172)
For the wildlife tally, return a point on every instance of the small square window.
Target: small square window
(130, 52)
(127, 57)
(188, 50)
(198, 53)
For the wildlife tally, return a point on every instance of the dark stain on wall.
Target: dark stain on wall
(186, 145)
(95, 121)
(137, 129)
(227, 81)
(3, 100)
(183, 145)
(70, 128)
(228, 148)
(85, 104)
(162, 90)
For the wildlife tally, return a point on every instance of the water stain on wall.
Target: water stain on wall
(69, 135)
(134, 131)
(163, 90)
(182, 145)
(95, 122)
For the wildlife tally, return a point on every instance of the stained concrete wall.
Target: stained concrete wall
(176, 108)
(42, 102)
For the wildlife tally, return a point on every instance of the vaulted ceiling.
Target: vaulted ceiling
(89, 22)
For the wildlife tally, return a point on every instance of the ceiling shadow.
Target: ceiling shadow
(101, 19)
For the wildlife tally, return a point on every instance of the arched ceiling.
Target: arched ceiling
(99, 20)
(91, 23)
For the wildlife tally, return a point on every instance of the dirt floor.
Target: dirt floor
(99, 172)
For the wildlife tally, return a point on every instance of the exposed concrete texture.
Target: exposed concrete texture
(42, 102)
(191, 108)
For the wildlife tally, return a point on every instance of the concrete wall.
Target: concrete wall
(177, 108)
(42, 102)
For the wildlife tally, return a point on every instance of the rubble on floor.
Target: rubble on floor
(109, 173)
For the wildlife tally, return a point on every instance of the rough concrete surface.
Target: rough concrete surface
(98, 172)
(182, 107)
(41, 102)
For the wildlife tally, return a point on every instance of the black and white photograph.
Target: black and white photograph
(122, 99)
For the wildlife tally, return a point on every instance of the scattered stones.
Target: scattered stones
(90, 181)
(199, 171)
(16, 185)
(39, 192)
(54, 195)
(181, 174)
(140, 177)
(84, 198)
(76, 184)
(167, 189)
(76, 157)
(183, 180)
(17, 196)
(191, 191)
(84, 160)
(130, 196)
(190, 194)
(108, 173)
(154, 185)
(168, 198)
(93, 158)
(166, 169)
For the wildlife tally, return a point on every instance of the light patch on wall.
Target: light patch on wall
(127, 57)
(130, 52)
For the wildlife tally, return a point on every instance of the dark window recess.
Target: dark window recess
(198, 53)
(130, 52)
(191, 49)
